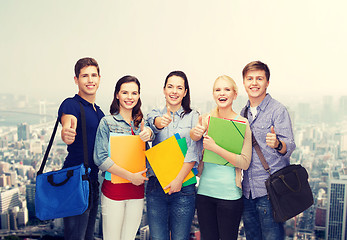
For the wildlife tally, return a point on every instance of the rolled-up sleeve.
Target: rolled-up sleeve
(194, 152)
(150, 120)
(283, 129)
(101, 155)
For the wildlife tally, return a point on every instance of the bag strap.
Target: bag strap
(257, 147)
(84, 134)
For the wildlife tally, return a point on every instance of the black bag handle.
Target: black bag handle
(84, 135)
(288, 186)
(50, 179)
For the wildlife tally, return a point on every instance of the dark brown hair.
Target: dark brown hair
(85, 62)
(186, 98)
(114, 108)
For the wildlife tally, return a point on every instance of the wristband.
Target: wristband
(280, 145)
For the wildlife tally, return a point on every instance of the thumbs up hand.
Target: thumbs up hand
(198, 130)
(271, 138)
(165, 120)
(145, 133)
(68, 132)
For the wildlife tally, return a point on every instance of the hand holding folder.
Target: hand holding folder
(167, 158)
(228, 134)
(127, 151)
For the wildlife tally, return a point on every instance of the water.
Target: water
(11, 119)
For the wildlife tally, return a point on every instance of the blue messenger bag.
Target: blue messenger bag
(65, 192)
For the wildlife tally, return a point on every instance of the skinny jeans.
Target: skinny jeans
(219, 218)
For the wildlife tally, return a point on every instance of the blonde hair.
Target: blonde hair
(214, 112)
(232, 82)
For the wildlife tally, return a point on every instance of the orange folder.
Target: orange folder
(128, 153)
(166, 159)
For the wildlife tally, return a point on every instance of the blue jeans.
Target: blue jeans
(82, 227)
(169, 213)
(258, 220)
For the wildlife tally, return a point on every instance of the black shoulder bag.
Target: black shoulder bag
(288, 188)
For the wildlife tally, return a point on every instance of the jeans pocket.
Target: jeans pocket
(188, 190)
(152, 185)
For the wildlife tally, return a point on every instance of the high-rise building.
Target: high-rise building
(30, 198)
(23, 131)
(343, 105)
(336, 211)
(9, 199)
(144, 233)
(5, 221)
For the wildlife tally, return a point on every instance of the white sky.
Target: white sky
(303, 42)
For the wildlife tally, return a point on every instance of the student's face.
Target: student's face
(255, 84)
(174, 91)
(128, 96)
(223, 93)
(88, 81)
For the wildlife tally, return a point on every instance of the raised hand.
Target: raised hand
(198, 130)
(271, 138)
(145, 133)
(68, 132)
(137, 178)
(164, 120)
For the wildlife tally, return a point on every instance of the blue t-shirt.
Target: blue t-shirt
(75, 150)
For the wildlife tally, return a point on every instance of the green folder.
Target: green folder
(183, 145)
(228, 134)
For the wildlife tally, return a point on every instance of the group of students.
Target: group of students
(224, 195)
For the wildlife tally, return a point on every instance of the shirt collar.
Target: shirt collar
(85, 102)
(178, 112)
(118, 117)
(263, 103)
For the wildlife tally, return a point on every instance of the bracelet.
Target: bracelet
(280, 145)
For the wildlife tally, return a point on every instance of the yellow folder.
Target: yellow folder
(166, 159)
(127, 152)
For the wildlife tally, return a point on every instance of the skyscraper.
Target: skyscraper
(23, 131)
(9, 199)
(336, 214)
(144, 233)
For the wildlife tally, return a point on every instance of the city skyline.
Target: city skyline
(321, 149)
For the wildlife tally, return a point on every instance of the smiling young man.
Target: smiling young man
(87, 78)
(271, 126)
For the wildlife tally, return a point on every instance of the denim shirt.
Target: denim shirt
(110, 124)
(181, 124)
(270, 112)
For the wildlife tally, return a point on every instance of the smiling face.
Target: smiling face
(255, 83)
(128, 96)
(88, 82)
(224, 92)
(174, 92)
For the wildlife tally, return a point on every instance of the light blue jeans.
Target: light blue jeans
(258, 220)
(169, 213)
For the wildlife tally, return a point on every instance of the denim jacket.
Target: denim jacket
(181, 124)
(110, 124)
